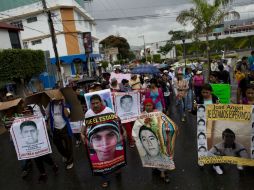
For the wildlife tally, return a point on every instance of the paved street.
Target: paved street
(186, 176)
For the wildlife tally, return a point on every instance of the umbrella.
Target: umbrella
(145, 69)
(162, 66)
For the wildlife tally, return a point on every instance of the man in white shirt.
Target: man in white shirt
(58, 115)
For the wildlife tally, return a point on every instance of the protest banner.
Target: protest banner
(120, 76)
(105, 95)
(105, 143)
(30, 137)
(76, 126)
(225, 134)
(155, 134)
(223, 92)
(127, 106)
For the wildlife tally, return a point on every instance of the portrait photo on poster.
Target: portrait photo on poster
(201, 112)
(127, 105)
(30, 137)
(105, 95)
(227, 137)
(105, 143)
(155, 137)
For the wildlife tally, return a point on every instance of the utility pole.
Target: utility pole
(143, 36)
(53, 38)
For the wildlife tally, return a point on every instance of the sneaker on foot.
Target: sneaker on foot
(239, 167)
(218, 170)
(24, 174)
(77, 143)
(69, 166)
(183, 119)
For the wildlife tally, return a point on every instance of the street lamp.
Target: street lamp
(143, 36)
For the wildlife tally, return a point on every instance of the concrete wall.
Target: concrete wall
(4, 39)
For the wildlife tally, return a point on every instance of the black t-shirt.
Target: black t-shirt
(224, 77)
(244, 83)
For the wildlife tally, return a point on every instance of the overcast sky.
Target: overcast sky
(155, 29)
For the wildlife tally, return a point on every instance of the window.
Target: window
(31, 19)
(25, 45)
(14, 38)
(36, 42)
(18, 24)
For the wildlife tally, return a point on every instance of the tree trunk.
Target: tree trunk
(208, 55)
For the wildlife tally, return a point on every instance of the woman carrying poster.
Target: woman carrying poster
(155, 137)
(156, 95)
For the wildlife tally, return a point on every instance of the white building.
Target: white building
(9, 36)
(70, 21)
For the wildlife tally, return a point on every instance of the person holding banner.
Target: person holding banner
(206, 96)
(58, 114)
(181, 89)
(152, 146)
(228, 147)
(249, 95)
(156, 95)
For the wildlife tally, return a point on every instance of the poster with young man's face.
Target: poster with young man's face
(155, 134)
(105, 143)
(105, 96)
(225, 134)
(30, 137)
(127, 106)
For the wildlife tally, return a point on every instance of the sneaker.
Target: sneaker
(183, 119)
(218, 170)
(69, 166)
(239, 167)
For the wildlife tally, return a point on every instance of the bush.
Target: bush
(16, 64)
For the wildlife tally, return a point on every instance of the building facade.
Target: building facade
(9, 36)
(70, 20)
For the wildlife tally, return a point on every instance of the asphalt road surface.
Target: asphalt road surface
(187, 176)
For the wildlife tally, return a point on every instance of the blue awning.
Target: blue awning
(68, 59)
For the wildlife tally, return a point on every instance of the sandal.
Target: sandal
(105, 184)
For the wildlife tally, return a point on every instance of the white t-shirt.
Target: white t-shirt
(59, 121)
(90, 112)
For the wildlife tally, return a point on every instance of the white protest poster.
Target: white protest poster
(30, 137)
(120, 76)
(76, 126)
(105, 95)
(127, 106)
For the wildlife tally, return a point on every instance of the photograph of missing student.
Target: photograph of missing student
(228, 135)
(105, 95)
(30, 137)
(105, 143)
(127, 106)
(155, 135)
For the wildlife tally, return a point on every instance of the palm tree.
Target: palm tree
(205, 17)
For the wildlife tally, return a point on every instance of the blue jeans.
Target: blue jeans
(188, 100)
(182, 106)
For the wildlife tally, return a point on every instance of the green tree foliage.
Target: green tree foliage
(157, 58)
(165, 49)
(119, 42)
(205, 17)
(16, 64)
(104, 64)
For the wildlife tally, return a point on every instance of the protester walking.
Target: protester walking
(58, 115)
